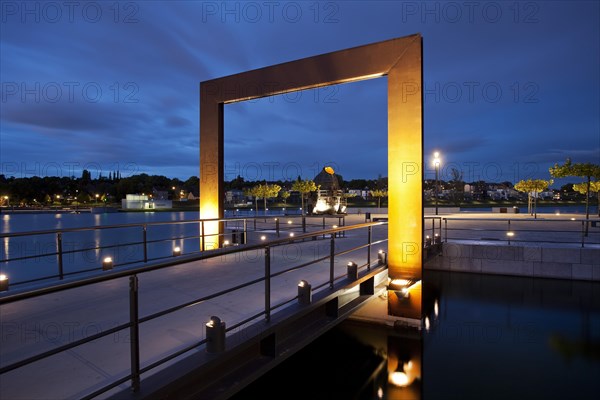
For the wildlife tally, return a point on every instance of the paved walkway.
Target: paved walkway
(33, 326)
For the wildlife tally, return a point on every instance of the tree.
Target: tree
(253, 192)
(582, 170)
(532, 187)
(304, 187)
(457, 185)
(266, 191)
(285, 195)
(379, 193)
(594, 188)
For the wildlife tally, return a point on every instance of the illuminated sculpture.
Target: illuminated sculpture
(329, 197)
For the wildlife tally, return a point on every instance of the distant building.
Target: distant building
(235, 197)
(143, 202)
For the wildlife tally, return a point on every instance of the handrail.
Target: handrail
(580, 228)
(24, 294)
(59, 251)
(136, 320)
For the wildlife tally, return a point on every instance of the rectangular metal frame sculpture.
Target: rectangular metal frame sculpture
(400, 60)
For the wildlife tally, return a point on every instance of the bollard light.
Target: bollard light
(352, 271)
(437, 239)
(176, 251)
(3, 283)
(291, 234)
(304, 293)
(402, 287)
(215, 335)
(263, 237)
(382, 257)
(225, 243)
(427, 241)
(289, 222)
(107, 263)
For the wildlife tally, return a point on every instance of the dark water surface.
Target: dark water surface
(494, 337)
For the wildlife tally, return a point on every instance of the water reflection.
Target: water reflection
(489, 337)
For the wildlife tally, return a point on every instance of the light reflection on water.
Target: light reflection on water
(161, 239)
(494, 337)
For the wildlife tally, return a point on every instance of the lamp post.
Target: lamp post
(436, 163)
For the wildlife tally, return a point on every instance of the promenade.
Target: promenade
(40, 324)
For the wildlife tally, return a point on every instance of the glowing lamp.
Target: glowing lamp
(215, 335)
(304, 292)
(176, 251)
(3, 283)
(107, 263)
(352, 271)
(381, 257)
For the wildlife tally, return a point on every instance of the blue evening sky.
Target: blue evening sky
(511, 87)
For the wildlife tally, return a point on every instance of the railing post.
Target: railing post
(277, 226)
(331, 260)
(145, 235)
(245, 231)
(59, 252)
(445, 229)
(202, 238)
(583, 233)
(134, 330)
(268, 283)
(303, 224)
(369, 240)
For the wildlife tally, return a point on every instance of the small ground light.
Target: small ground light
(382, 257)
(176, 251)
(226, 243)
(510, 234)
(437, 239)
(107, 263)
(352, 271)
(304, 292)
(215, 335)
(289, 221)
(427, 241)
(3, 283)
(291, 234)
(263, 237)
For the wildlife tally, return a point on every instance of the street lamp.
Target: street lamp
(436, 163)
(97, 195)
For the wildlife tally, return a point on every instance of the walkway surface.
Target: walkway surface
(30, 327)
(33, 326)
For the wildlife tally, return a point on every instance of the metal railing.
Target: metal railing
(523, 230)
(58, 248)
(135, 320)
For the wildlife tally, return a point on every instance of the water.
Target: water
(36, 255)
(494, 337)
